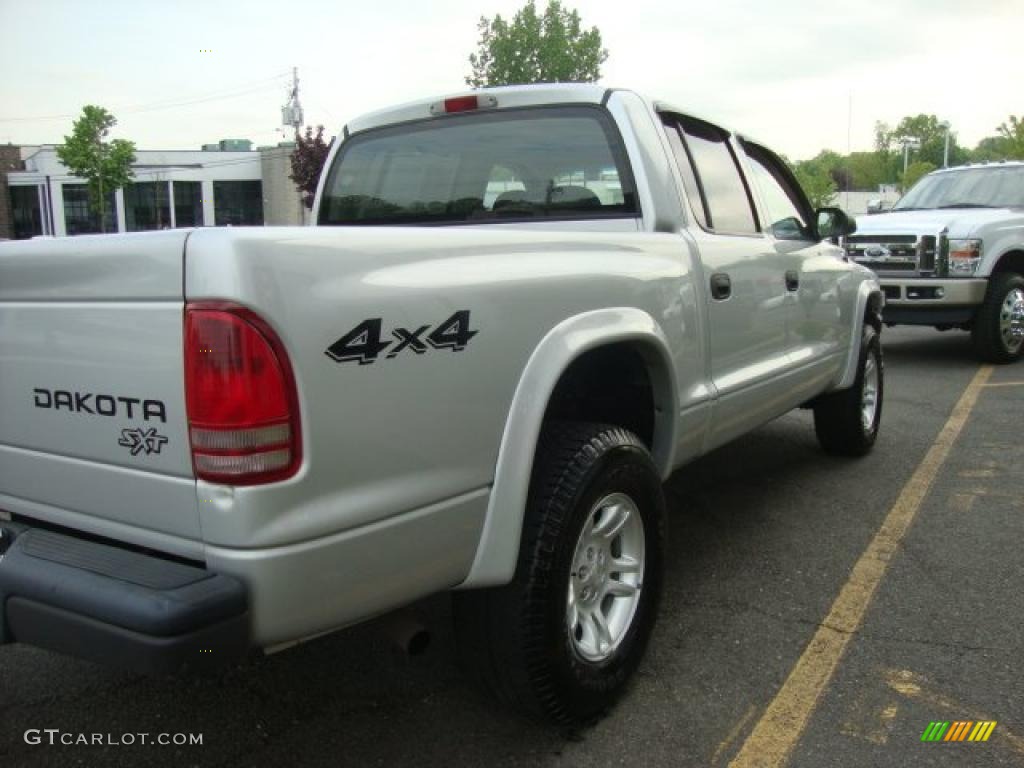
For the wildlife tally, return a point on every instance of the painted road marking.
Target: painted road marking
(782, 724)
(1006, 384)
(733, 734)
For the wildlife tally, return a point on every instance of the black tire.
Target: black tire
(515, 640)
(986, 333)
(838, 419)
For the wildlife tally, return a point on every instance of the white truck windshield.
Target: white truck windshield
(986, 187)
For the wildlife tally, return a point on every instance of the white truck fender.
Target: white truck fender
(867, 291)
(498, 550)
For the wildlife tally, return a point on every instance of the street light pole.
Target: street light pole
(99, 175)
(945, 149)
(909, 143)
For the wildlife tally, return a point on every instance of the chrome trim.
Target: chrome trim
(942, 254)
(958, 291)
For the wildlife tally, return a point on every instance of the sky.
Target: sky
(797, 75)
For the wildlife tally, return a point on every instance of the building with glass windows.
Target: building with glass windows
(171, 188)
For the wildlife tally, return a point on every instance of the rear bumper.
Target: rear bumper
(117, 606)
(930, 301)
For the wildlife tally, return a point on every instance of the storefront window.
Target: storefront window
(80, 218)
(146, 206)
(237, 203)
(188, 204)
(28, 218)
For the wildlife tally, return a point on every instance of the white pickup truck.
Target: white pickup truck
(951, 254)
(521, 309)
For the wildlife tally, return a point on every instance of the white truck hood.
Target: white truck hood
(960, 222)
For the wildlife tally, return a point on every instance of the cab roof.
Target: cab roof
(506, 96)
(986, 164)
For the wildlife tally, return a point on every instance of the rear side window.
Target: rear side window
(726, 195)
(541, 163)
(697, 202)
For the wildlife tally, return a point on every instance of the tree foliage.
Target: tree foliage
(1012, 132)
(884, 165)
(308, 160)
(931, 132)
(104, 165)
(551, 47)
(816, 179)
(991, 148)
(868, 170)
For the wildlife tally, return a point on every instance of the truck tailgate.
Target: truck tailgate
(92, 404)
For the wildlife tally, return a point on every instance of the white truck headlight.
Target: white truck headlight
(964, 256)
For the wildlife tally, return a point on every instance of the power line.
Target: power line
(265, 85)
(230, 89)
(151, 172)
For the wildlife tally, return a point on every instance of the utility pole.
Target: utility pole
(945, 149)
(291, 112)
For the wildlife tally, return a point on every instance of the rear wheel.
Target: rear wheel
(847, 421)
(562, 639)
(998, 331)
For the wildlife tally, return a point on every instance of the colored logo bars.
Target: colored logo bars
(961, 730)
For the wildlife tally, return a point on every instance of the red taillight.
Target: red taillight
(461, 104)
(240, 394)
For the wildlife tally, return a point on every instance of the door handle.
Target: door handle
(792, 280)
(721, 286)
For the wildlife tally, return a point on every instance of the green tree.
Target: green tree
(551, 47)
(931, 132)
(308, 160)
(883, 138)
(104, 165)
(915, 171)
(868, 170)
(991, 148)
(1013, 132)
(817, 182)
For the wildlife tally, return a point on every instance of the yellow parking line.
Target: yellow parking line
(782, 724)
(1006, 384)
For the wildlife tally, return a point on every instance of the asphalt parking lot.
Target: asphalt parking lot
(777, 571)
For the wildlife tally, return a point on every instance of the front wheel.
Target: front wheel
(998, 330)
(847, 421)
(562, 639)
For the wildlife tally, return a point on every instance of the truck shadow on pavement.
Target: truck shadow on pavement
(928, 347)
(352, 699)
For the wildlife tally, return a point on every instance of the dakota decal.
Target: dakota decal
(100, 405)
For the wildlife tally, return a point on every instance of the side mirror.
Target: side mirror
(832, 223)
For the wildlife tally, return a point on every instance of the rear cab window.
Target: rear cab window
(538, 163)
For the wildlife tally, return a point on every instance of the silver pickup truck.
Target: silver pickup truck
(521, 309)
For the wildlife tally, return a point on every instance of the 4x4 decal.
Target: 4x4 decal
(363, 343)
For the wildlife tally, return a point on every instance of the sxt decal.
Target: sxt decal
(363, 343)
(139, 440)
